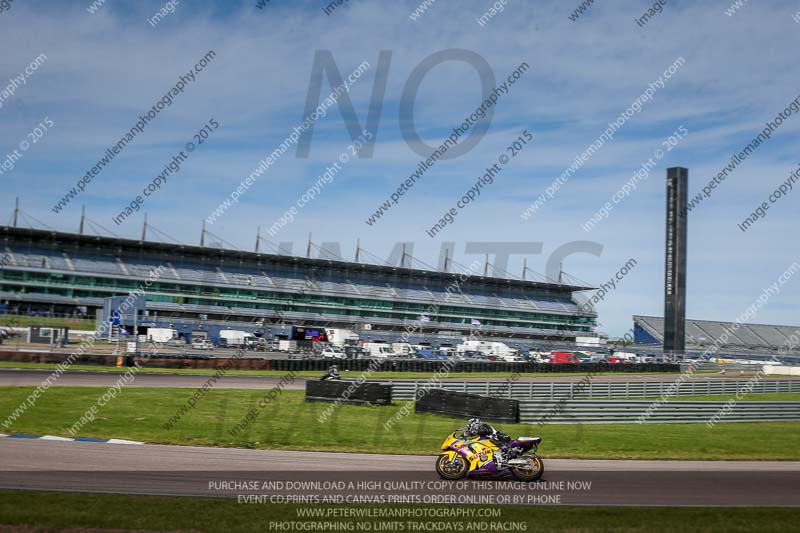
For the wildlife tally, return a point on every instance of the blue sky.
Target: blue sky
(105, 69)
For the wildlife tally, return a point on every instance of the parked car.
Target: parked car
(472, 356)
(202, 344)
(431, 354)
(333, 353)
(257, 344)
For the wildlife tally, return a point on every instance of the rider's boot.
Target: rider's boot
(499, 458)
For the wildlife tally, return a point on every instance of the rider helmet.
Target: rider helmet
(474, 426)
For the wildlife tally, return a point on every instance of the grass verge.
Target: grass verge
(291, 423)
(56, 511)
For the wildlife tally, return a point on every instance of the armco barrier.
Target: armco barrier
(348, 392)
(629, 412)
(714, 367)
(463, 405)
(421, 365)
(405, 390)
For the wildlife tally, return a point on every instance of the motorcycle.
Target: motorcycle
(472, 456)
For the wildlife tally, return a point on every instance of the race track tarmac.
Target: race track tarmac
(259, 476)
(80, 378)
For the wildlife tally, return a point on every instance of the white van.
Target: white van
(378, 349)
(161, 334)
(403, 348)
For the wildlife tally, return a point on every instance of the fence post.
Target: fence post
(552, 390)
(645, 389)
(530, 395)
(628, 390)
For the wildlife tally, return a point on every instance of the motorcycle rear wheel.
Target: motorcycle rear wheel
(533, 472)
(452, 470)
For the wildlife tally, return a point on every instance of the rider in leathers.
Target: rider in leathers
(480, 429)
(332, 373)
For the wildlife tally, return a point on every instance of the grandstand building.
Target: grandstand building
(729, 338)
(65, 273)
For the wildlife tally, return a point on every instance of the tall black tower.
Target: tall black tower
(675, 267)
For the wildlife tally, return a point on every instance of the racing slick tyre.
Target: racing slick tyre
(532, 472)
(455, 469)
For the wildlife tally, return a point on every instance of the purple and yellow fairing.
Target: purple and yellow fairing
(479, 452)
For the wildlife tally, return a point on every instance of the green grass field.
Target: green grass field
(312, 374)
(56, 511)
(291, 423)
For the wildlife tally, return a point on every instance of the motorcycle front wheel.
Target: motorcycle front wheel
(532, 472)
(455, 469)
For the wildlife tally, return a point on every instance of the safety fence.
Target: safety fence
(407, 390)
(630, 412)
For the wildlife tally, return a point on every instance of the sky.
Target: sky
(104, 64)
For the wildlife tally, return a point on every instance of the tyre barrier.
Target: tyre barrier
(321, 365)
(462, 405)
(56, 357)
(343, 391)
(202, 362)
(189, 361)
